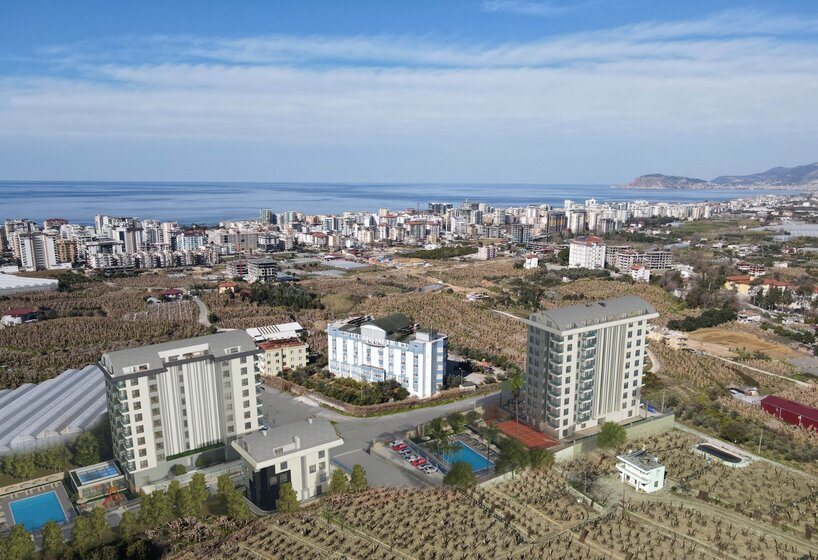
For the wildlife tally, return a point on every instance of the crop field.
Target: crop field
(745, 341)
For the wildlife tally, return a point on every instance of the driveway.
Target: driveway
(358, 433)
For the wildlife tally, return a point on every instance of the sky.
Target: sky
(478, 91)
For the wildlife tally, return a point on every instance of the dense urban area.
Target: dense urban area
(332, 386)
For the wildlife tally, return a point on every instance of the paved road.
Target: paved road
(203, 312)
(358, 433)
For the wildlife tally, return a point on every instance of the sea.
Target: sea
(209, 203)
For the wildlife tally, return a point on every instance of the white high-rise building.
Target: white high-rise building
(584, 364)
(586, 252)
(36, 250)
(391, 347)
(170, 403)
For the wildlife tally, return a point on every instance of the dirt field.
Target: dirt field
(725, 342)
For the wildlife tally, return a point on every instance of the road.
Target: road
(358, 433)
(203, 312)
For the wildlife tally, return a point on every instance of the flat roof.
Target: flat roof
(216, 344)
(791, 406)
(275, 332)
(262, 445)
(70, 403)
(641, 459)
(13, 283)
(588, 314)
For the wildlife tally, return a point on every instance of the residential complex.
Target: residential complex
(586, 252)
(584, 364)
(369, 349)
(289, 353)
(168, 403)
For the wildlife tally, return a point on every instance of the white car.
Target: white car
(428, 468)
(396, 442)
(411, 458)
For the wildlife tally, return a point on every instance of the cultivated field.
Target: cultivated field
(734, 341)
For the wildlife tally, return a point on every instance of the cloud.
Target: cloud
(732, 75)
(531, 7)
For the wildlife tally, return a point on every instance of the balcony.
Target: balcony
(124, 420)
(584, 408)
(586, 375)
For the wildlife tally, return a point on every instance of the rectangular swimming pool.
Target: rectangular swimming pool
(35, 511)
(466, 454)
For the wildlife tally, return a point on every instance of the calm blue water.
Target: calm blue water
(79, 202)
(35, 511)
(467, 454)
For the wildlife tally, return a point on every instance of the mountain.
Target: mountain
(659, 181)
(802, 175)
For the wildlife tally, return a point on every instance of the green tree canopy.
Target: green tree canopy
(86, 449)
(539, 458)
(53, 541)
(82, 535)
(19, 543)
(128, 526)
(461, 475)
(513, 456)
(611, 435)
(456, 421)
(358, 481)
(287, 499)
(338, 483)
(198, 490)
(186, 505)
(98, 523)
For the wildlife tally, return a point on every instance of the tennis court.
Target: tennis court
(527, 435)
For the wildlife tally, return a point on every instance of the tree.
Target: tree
(19, 544)
(53, 541)
(173, 493)
(82, 535)
(128, 526)
(198, 490)
(456, 421)
(186, 506)
(562, 255)
(489, 433)
(539, 458)
(515, 383)
(472, 417)
(287, 499)
(99, 525)
(138, 550)
(20, 466)
(436, 428)
(237, 506)
(53, 458)
(611, 435)
(156, 509)
(224, 486)
(338, 482)
(178, 470)
(86, 449)
(358, 481)
(513, 456)
(460, 475)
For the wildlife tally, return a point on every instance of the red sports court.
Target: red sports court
(527, 435)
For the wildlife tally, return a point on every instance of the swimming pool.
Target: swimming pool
(477, 461)
(719, 453)
(33, 512)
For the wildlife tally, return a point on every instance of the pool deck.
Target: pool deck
(6, 517)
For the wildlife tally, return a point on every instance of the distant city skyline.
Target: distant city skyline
(511, 91)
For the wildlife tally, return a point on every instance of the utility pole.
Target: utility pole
(663, 401)
(761, 435)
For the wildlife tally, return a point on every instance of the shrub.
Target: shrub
(178, 470)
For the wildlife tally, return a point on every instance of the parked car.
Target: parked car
(429, 468)
(419, 462)
(400, 447)
(396, 443)
(411, 458)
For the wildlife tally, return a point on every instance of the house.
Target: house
(230, 286)
(172, 293)
(531, 261)
(486, 252)
(641, 470)
(298, 454)
(741, 284)
(19, 316)
(747, 317)
(640, 273)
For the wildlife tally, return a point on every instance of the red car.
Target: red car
(400, 447)
(419, 462)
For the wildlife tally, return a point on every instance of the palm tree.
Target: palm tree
(488, 433)
(515, 383)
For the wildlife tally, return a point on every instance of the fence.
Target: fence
(33, 483)
(377, 409)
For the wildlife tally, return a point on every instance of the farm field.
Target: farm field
(713, 513)
(726, 342)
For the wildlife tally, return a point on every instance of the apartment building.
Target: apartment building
(284, 354)
(652, 259)
(584, 364)
(170, 403)
(36, 251)
(586, 252)
(369, 349)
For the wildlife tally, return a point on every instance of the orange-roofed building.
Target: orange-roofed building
(279, 355)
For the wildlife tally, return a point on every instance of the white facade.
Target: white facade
(170, 399)
(531, 261)
(584, 364)
(642, 471)
(36, 251)
(586, 252)
(375, 350)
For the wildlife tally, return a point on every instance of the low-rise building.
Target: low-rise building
(283, 354)
(19, 315)
(531, 261)
(486, 252)
(587, 252)
(641, 470)
(371, 350)
(296, 454)
(640, 273)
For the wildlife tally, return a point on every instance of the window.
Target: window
(246, 404)
(312, 469)
(229, 417)
(247, 425)
(322, 465)
(157, 423)
(143, 452)
(244, 382)
(135, 394)
(243, 360)
(245, 393)
(154, 400)
(143, 464)
(247, 415)
(140, 441)
(153, 388)
(140, 429)
(134, 382)
(565, 422)
(137, 405)
(137, 418)
(321, 454)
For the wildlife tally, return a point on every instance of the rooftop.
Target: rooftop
(587, 314)
(791, 406)
(397, 326)
(275, 332)
(262, 445)
(641, 459)
(12, 283)
(589, 240)
(149, 356)
(284, 343)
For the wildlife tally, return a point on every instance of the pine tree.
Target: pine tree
(338, 483)
(198, 491)
(358, 481)
(186, 506)
(53, 541)
(82, 536)
(19, 543)
(287, 499)
(98, 523)
(128, 526)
